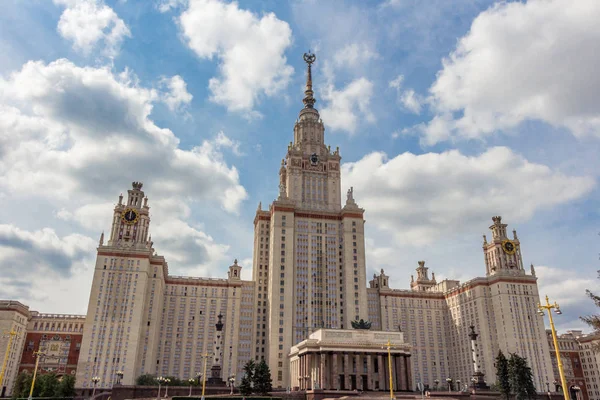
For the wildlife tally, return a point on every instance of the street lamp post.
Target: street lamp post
(548, 307)
(160, 380)
(389, 347)
(205, 355)
(547, 386)
(38, 354)
(119, 376)
(231, 382)
(167, 381)
(191, 382)
(576, 389)
(449, 381)
(95, 381)
(435, 384)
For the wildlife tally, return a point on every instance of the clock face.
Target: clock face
(130, 216)
(314, 158)
(509, 247)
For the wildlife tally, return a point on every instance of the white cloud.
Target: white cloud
(73, 138)
(396, 83)
(58, 115)
(31, 259)
(176, 97)
(90, 216)
(41, 246)
(565, 290)
(419, 198)
(354, 54)
(166, 5)
(568, 290)
(410, 100)
(347, 106)
(88, 22)
(222, 141)
(250, 50)
(522, 61)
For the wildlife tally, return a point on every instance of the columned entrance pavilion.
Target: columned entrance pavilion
(337, 359)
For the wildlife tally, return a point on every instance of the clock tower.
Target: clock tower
(502, 255)
(131, 220)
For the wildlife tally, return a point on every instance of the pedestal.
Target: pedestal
(479, 383)
(215, 376)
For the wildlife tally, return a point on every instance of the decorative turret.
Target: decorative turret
(498, 229)
(422, 282)
(235, 271)
(380, 281)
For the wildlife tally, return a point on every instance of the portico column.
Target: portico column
(309, 372)
(402, 373)
(358, 373)
(369, 372)
(301, 374)
(323, 372)
(382, 380)
(335, 385)
(408, 373)
(346, 371)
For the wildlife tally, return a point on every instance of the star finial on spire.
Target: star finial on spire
(309, 100)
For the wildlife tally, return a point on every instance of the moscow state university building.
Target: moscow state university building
(308, 274)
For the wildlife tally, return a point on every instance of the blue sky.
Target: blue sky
(446, 113)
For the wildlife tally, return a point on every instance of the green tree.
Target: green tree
(262, 381)
(246, 383)
(21, 385)
(174, 381)
(48, 383)
(593, 320)
(502, 375)
(27, 387)
(66, 386)
(521, 377)
(146, 380)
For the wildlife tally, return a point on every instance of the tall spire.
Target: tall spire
(309, 100)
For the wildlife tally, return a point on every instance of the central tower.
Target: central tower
(310, 174)
(309, 251)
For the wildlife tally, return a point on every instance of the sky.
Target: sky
(445, 113)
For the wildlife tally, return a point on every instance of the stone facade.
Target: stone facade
(58, 336)
(13, 319)
(589, 354)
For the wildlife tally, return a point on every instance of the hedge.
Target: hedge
(227, 397)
